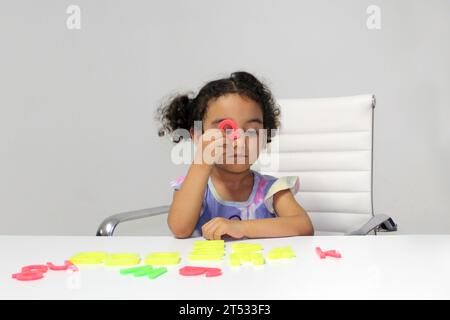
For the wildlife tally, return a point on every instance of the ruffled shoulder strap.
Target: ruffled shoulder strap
(176, 184)
(283, 183)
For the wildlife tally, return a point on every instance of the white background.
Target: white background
(77, 137)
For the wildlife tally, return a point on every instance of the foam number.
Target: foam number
(246, 247)
(281, 253)
(142, 271)
(31, 272)
(111, 260)
(122, 259)
(329, 253)
(238, 258)
(207, 250)
(198, 271)
(89, 258)
(37, 271)
(66, 266)
(163, 258)
(137, 271)
(246, 253)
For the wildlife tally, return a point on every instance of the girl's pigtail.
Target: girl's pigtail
(176, 114)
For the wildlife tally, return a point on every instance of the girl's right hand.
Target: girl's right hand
(211, 147)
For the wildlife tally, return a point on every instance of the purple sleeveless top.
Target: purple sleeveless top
(259, 205)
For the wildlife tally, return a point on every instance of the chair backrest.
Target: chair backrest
(328, 143)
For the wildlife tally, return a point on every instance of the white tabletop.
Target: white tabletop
(373, 267)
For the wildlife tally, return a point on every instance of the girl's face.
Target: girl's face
(248, 116)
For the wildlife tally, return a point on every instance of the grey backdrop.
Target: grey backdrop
(77, 136)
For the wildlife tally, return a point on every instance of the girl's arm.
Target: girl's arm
(187, 202)
(292, 220)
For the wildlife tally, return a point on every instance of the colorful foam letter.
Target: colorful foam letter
(197, 271)
(329, 253)
(163, 258)
(281, 253)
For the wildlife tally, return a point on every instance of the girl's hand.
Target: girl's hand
(211, 147)
(218, 227)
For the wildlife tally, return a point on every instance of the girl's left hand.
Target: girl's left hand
(218, 227)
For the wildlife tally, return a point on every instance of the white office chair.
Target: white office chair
(328, 143)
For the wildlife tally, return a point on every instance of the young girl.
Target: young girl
(217, 199)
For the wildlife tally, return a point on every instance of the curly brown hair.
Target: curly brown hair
(182, 110)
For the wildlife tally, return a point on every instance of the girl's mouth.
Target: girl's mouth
(237, 159)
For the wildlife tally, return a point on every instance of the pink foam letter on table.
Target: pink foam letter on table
(28, 275)
(36, 271)
(329, 253)
(31, 272)
(67, 265)
(320, 253)
(35, 267)
(197, 271)
(333, 253)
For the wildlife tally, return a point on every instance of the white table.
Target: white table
(373, 267)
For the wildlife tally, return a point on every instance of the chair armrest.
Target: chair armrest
(108, 225)
(380, 222)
